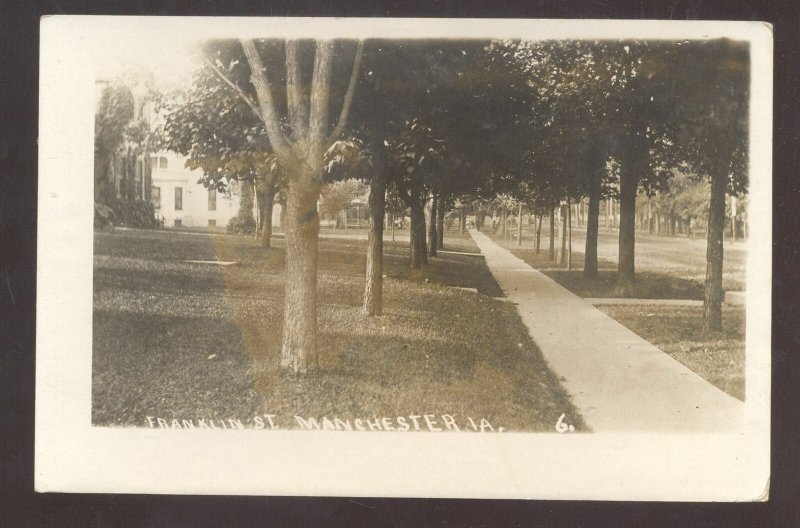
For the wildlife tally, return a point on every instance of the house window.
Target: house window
(212, 223)
(212, 199)
(155, 197)
(178, 198)
(178, 222)
(158, 162)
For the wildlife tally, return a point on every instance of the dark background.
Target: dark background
(20, 506)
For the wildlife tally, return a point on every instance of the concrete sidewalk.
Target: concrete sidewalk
(618, 381)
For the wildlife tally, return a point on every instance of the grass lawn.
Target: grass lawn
(718, 357)
(178, 340)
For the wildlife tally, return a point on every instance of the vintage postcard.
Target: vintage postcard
(397, 257)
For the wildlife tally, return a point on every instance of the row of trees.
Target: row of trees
(456, 124)
(617, 118)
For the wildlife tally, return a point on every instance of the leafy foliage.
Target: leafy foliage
(137, 214)
(336, 196)
(114, 115)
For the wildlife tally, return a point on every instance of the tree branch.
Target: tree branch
(242, 95)
(348, 99)
(298, 112)
(320, 95)
(280, 143)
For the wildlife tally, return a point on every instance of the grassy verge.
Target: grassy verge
(677, 330)
(719, 357)
(650, 283)
(187, 341)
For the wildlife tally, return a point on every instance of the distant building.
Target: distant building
(181, 201)
(162, 177)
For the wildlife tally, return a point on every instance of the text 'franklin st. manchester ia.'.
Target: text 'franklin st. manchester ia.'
(433, 423)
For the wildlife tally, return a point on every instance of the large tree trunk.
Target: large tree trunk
(629, 182)
(563, 253)
(592, 229)
(463, 224)
(299, 352)
(539, 233)
(417, 233)
(268, 201)
(569, 235)
(433, 237)
(712, 302)
(373, 289)
(440, 222)
(552, 232)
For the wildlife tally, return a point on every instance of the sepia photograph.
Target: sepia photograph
(492, 233)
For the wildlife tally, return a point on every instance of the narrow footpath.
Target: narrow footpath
(617, 380)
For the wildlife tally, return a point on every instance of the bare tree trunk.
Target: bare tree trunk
(712, 302)
(266, 221)
(563, 253)
(391, 219)
(744, 225)
(418, 249)
(373, 289)
(440, 222)
(629, 182)
(592, 229)
(299, 353)
(519, 227)
(463, 221)
(432, 225)
(569, 235)
(539, 233)
(552, 232)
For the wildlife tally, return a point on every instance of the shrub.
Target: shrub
(242, 225)
(137, 214)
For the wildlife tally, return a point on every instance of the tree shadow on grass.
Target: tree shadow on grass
(170, 367)
(463, 271)
(648, 285)
(389, 376)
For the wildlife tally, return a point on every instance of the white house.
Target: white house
(177, 196)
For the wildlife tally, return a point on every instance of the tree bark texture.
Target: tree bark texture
(712, 301)
(569, 236)
(629, 182)
(373, 288)
(562, 254)
(552, 232)
(417, 233)
(539, 233)
(433, 237)
(299, 352)
(440, 222)
(592, 229)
